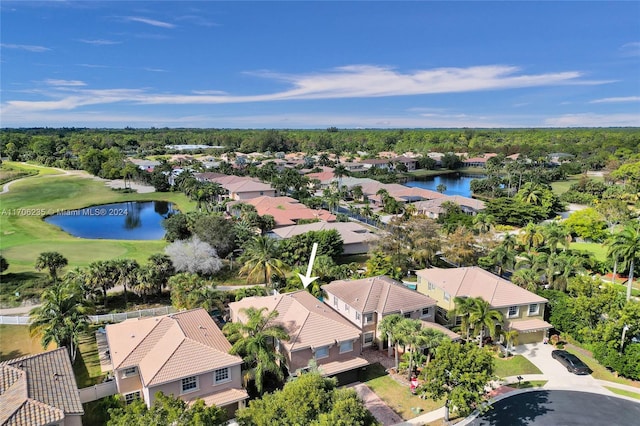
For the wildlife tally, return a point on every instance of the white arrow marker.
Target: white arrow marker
(309, 279)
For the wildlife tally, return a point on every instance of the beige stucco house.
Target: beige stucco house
(39, 390)
(316, 333)
(523, 310)
(183, 354)
(366, 301)
(356, 239)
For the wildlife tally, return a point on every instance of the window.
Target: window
(431, 286)
(222, 375)
(357, 315)
(129, 371)
(130, 397)
(368, 338)
(447, 297)
(513, 311)
(189, 384)
(407, 315)
(425, 312)
(322, 352)
(346, 307)
(261, 192)
(346, 346)
(335, 301)
(368, 318)
(533, 309)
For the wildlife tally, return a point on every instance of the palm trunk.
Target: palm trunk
(410, 362)
(630, 281)
(396, 356)
(615, 271)
(104, 290)
(481, 336)
(389, 345)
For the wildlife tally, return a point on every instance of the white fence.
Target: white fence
(118, 317)
(98, 391)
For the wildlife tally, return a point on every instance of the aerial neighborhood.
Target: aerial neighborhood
(319, 213)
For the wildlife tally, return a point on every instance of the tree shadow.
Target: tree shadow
(4, 356)
(519, 410)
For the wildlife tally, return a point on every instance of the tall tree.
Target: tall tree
(483, 317)
(127, 270)
(261, 260)
(61, 317)
(194, 256)
(254, 339)
(103, 275)
(388, 327)
(626, 246)
(51, 261)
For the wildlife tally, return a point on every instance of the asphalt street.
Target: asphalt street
(560, 408)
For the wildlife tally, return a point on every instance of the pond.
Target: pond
(133, 220)
(456, 183)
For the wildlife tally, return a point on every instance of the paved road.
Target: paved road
(561, 407)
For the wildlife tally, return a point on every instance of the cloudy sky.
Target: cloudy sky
(318, 64)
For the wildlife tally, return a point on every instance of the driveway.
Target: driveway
(558, 377)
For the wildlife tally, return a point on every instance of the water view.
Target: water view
(134, 220)
(456, 183)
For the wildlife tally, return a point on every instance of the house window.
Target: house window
(425, 312)
(261, 193)
(189, 384)
(431, 286)
(357, 315)
(534, 309)
(368, 338)
(322, 352)
(129, 371)
(368, 318)
(447, 297)
(335, 301)
(221, 375)
(130, 397)
(346, 346)
(513, 311)
(407, 315)
(346, 307)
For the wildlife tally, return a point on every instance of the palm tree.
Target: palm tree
(554, 234)
(254, 340)
(484, 317)
(510, 338)
(463, 307)
(389, 326)
(162, 269)
(626, 247)
(261, 261)
(526, 278)
(431, 339)
(531, 236)
(407, 334)
(61, 317)
(483, 222)
(441, 188)
(102, 274)
(52, 261)
(127, 270)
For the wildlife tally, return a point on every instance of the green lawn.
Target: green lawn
(15, 342)
(597, 249)
(562, 186)
(514, 366)
(87, 366)
(623, 392)
(24, 237)
(398, 397)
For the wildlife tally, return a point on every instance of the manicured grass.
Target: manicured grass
(597, 249)
(624, 392)
(514, 366)
(24, 237)
(398, 397)
(562, 186)
(598, 371)
(87, 366)
(528, 384)
(15, 342)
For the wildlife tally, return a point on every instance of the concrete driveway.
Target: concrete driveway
(559, 378)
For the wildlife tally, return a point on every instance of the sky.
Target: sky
(318, 64)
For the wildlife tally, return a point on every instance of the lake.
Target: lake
(456, 183)
(134, 220)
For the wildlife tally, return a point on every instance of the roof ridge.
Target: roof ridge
(9, 362)
(165, 362)
(386, 296)
(144, 338)
(367, 298)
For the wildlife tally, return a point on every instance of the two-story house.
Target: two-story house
(366, 301)
(523, 310)
(315, 333)
(183, 354)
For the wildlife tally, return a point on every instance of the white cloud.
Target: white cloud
(27, 47)
(631, 49)
(148, 21)
(66, 83)
(594, 120)
(100, 42)
(616, 100)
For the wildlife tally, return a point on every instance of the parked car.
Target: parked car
(571, 362)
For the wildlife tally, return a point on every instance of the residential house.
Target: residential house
(183, 354)
(380, 163)
(356, 239)
(523, 310)
(285, 210)
(433, 208)
(39, 390)
(366, 301)
(409, 163)
(238, 187)
(316, 332)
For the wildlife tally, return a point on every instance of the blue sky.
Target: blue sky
(319, 64)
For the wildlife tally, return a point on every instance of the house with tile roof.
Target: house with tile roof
(316, 332)
(366, 301)
(523, 310)
(433, 207)
(39, 390)
(286, 211)
(182, 354)
(356, 239)
(238, 187)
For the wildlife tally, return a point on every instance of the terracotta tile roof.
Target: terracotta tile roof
(476, 282)
(435, 204)
(309, 322)
(286, 210)
(528, 325)
(379, 294)
(351, 232)
(435, 326)
(38, 389)
(335, 367)
(221, 399)
(170, 347)
(413, 193)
